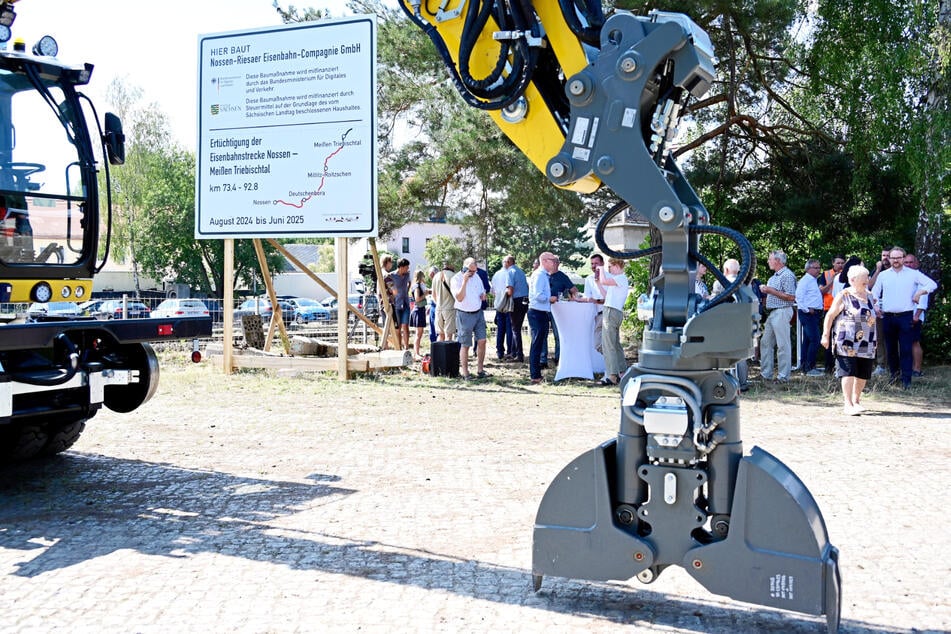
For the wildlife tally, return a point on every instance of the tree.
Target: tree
(451, 155)
(888, 97)
(326, 259)
(443, 250)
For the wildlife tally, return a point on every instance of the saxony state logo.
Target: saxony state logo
(215, 109)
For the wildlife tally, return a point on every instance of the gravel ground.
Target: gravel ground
(259, 502)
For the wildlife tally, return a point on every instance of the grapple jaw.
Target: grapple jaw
(575, 532)
(776, 551)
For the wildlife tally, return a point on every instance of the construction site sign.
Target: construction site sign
(287, 131)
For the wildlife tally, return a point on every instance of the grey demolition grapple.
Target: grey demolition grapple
(673, 488)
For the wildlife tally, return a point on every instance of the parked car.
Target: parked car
(330, 303)
(181, 308)
(112, 309)
(88, 309)
(53, 311)
(308, 310)
(262, 306)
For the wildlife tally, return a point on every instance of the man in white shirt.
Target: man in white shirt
(809, 305)
(898, 291)
(917, 321)
(593, 295)
(469, 293)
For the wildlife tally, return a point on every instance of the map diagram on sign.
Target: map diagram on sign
(324, 175)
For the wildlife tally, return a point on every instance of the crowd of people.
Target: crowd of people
(862, 318)
(452, 307)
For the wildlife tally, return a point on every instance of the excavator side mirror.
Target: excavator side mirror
(113, 140)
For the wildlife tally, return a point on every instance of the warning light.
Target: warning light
(164, 330)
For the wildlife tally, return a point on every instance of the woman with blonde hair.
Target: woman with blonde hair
(613, 285)
(417, 319)
(852, 316)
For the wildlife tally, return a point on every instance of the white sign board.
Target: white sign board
(287, 131)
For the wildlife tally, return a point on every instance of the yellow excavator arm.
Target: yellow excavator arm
(528, 120)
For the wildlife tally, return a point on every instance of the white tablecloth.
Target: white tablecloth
(578, 357)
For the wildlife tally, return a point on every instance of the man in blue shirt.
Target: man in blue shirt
(517, 287)
(539, 311)
(560, 284)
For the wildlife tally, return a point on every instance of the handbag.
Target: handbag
(504, 303)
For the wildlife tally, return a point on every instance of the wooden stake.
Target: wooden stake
(389, 333)
(303, 268)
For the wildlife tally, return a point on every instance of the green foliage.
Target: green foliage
(935, 335)
(326, 259)
(638, 274)
(443, 250)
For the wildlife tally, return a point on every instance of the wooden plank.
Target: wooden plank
(314, 364)
(343, 290)
(387, 359)
(389, 337)
(276, 316)
(228, 305)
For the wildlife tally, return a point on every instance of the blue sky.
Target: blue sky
(151, 45)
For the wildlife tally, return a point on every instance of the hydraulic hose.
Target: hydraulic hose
(593, 14)
(747, 262)
(747, 255)
(72, 365)
(472, 100)
(623, 255)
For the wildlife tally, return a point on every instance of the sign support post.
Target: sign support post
(342, 315)
(227, 307)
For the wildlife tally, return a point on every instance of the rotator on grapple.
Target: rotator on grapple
(594, 101)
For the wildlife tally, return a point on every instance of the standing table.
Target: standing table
(578, 357)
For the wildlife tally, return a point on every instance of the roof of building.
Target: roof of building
(306, 253)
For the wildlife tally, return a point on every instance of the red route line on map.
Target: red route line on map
(322, 179)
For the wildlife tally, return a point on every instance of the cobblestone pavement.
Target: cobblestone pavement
(256, 504)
